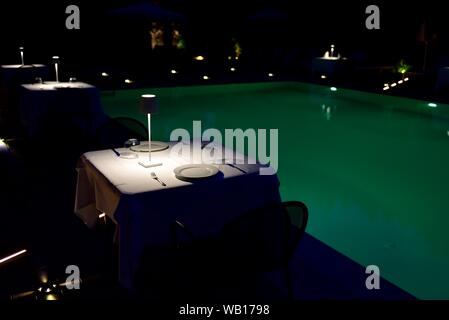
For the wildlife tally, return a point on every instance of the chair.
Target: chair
(260, 241)
(115, 131)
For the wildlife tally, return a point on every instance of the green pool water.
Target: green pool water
(373, 169)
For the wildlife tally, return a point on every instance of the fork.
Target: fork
(155, 177)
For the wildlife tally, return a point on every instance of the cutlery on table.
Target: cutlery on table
(223, 162)
(155, 177)
(235, 167)
(116, 152)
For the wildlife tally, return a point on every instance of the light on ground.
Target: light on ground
(232, 69)
(323, 76)
(128, 81)
(271, 75)
(394, 84)
(199, 58)
(12, 256)
(104, 74)
(205, 78)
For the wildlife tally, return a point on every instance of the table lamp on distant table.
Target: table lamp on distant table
(148, 105)
(56, 62)
(21, 56)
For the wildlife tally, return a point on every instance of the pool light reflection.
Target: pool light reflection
(432, 105)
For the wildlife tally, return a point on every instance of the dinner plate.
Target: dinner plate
(155, 146)
(193, 172)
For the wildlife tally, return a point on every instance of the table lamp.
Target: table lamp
(148, 105)
(56, 62)
(21, 55)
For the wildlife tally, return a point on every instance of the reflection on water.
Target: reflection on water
(328, 111)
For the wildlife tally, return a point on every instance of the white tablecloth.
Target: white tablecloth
(443, 79)
(144, 210)
(13, 74)
(51, 101)
(330, 67)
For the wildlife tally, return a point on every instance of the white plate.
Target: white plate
(155, 146)
(195, 171)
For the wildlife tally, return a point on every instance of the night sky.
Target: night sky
(311, 26)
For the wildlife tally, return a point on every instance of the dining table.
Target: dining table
(43, 103)
(144, 202)
(14, 75)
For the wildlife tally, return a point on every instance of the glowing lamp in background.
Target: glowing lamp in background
(56, 63)
(21, 56)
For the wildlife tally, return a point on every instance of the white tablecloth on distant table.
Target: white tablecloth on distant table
(12, 76)
(144, 210)
(41, 102)
(329, 67)
(19, 74)
(443, 79)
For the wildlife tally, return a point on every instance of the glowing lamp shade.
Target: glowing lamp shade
(148, 104)
(56, 63)
(21, 56)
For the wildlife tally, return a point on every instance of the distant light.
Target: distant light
(102, 215)
(12, 256)
(199, 58)
(232, 69)
(236, 58)
(432, 105)
(402, 71)
(148, 95)
(405, 79)
(385, 84)
(271, 75)
(173, 71)
(323, 76)
(447, 133)
(229, 58)
(104, 74)
(3, 145)
(205, 78)
(400, 82)
(386, 88)
(333, 89)
(393, 84)
(128, 81)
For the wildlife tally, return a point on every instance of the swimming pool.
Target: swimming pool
(373, 169)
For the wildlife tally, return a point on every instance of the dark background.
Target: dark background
(307, 31)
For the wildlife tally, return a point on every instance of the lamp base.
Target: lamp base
(150, 164)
